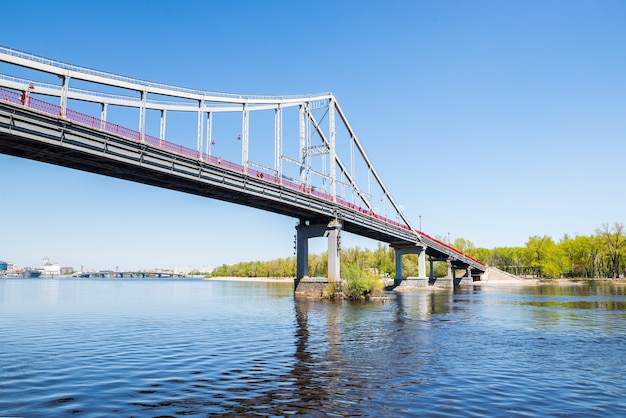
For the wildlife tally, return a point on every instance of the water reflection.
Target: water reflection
(41, 291)
(348, 355)
(601, 289)
(318, 360)
(564, 308)
(424, 305)
(592, 297)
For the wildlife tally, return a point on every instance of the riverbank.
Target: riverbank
(492, 281)
(545, 282)
(253, 279)
(495, 277)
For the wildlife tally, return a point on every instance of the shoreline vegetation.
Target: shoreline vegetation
(252, 279)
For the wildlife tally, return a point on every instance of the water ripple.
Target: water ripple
(198, 348)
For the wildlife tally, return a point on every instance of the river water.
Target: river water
(178, 347)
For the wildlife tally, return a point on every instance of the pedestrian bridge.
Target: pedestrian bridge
(309, 165)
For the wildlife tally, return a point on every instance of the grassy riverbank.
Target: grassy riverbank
(253, 279)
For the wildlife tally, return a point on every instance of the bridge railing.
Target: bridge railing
(10, 96)
(263, 176)
(449, 247)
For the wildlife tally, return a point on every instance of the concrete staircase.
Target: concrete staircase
(494, 275)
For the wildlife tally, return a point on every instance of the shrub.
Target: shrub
(330, 290)
(360, 284)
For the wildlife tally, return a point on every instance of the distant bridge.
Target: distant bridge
(313, 169)
(126, 274)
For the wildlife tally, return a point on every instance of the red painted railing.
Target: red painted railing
(95, 123)
(450, 248)
(11, 96)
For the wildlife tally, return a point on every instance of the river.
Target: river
(190, 347)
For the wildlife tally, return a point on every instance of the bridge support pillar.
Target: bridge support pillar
(421, 262)
(304, 286)
(420, 250)
(304, 231)
(334, 249)
(431, 271)
(467, 279)
(464, 280)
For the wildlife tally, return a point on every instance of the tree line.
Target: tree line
(602, 254)
(381, 261)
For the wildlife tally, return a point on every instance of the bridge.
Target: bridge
(123, 274)
(298, 155)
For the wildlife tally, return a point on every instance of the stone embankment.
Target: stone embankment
(492, 276)
(496, 276)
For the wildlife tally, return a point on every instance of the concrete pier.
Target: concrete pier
(316, 288)
(408, 284)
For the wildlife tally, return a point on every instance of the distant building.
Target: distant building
(67, 270)
(206, 269)
(50, 269)
(4, 266)
(183, 271)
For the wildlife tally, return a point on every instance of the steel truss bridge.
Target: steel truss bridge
(298, 155)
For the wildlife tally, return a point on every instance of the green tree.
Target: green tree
(483, 255)
(360, 283)
(384, 260)
(510, 259)
(464, 245)
(410, 265)
(578, 252)
(542, 254)
(440, 269)
(614, 243)
(595, 256)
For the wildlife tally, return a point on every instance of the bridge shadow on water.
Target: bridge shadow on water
(348, 354)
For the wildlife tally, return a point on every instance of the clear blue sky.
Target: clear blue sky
(494, 120)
